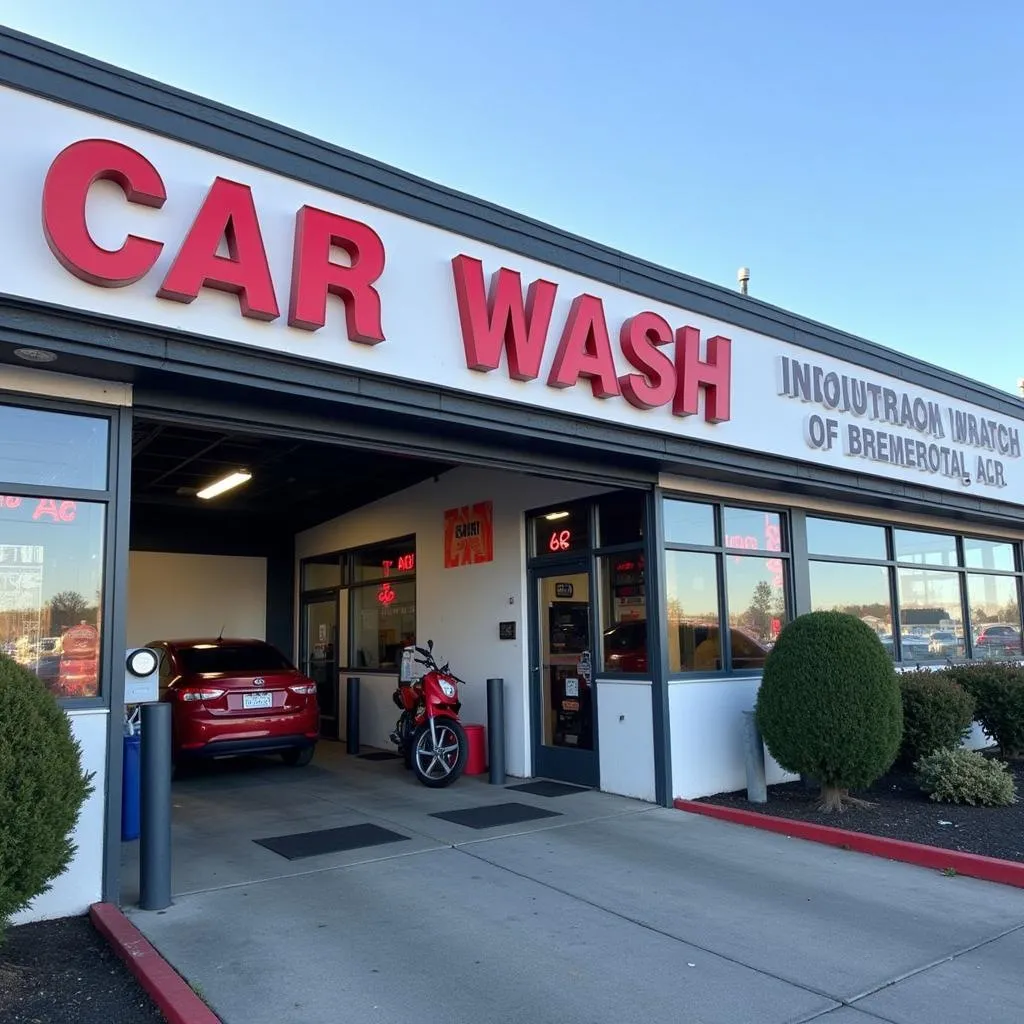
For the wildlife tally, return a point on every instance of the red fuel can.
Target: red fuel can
(476, 759)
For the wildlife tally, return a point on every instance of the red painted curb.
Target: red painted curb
(172, 995)
(990, 869)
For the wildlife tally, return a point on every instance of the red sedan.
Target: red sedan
(233, 697)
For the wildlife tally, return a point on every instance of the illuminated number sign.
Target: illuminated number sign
(560, 540)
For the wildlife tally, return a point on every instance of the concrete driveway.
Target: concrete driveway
(610, 911)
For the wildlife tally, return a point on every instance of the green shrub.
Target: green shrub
(42, 788)
(829, 704)
(937, 714)
(998, 691)
(966, 777)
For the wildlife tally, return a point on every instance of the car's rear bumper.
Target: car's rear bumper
(237, 748)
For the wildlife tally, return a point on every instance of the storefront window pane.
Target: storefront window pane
(925, 548)
(561, 531)
(752, 530)
(988, 554)
(994, 605)
(860, 590)
(396, 558)
(756, 591)
(929, 611)
(845, 540)
(694, 644)
(620, 518)
(51, 586)
(623, 612)
(384, 621)
(322, 573)
(52, 448)
(686, 522)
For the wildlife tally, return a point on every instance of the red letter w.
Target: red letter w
(500, 319)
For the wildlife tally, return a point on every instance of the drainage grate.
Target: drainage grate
(544, 787)
(494, 815)
(330, 840)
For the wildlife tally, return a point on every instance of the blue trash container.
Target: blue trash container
(130, 788)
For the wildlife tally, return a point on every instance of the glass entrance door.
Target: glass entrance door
(320, 659)
(564, 692)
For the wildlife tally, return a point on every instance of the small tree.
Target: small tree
(829, 704)
(42, 788)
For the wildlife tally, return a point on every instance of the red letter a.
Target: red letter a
(500, 321)
(227, 214)
(585, 350)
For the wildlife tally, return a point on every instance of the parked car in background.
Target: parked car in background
(625, 647)
(998, 640)
(231, 697)
(945, 644)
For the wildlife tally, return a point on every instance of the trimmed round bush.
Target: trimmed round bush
(998, 691)
(829, 704)
(42, 788)
(937, 714)
(966, 777)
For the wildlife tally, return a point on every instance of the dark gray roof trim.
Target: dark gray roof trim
(38, 67)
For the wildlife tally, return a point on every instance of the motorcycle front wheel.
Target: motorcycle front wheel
(441, 765)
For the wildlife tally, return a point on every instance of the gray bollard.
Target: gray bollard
(352, 714)
(155, 828)
(753, 752)
(496, 731)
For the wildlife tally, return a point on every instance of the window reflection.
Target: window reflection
(994, 607)
(925, 548)
(693, 624)
(687, 522)
(51, 585)
(51, 448)
(623, 612)
(988, 554)
(930, 613)
(860, 590)
(845, 540)
(757, 602)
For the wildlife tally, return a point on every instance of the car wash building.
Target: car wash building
(607, 483)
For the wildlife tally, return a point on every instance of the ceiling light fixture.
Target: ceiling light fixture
(552, 516)
(239, 476)
(35, 355)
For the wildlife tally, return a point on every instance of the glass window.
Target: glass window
(752, 530)
(51, 586)
(861, 590)
(52, 448)
(322, 573)
(623, 612)
(929, 604)
(994, 605)
(686, 522)
(756, 589)
(925, 548)
(384, 621)
(384, 561)
(845, 540)
(988, 554)
(562, 530)
(694, 644)
(253, 657)
(620, 518)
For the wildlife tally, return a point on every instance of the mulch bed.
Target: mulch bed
(902, 811)
(56, 972)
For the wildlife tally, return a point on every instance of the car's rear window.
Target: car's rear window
(232, 658)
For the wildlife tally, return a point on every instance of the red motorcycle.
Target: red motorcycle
(428, 734)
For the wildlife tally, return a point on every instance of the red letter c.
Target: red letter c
(68, 181)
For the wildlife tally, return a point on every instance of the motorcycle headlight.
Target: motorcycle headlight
(448, 689)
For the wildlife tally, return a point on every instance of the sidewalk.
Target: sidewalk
(625, 913)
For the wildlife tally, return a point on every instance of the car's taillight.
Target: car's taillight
(198, 693)
(303, 688)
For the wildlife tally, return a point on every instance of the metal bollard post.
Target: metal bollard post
(352, 714)
(496, 731)
(155, 830)
(753, 752)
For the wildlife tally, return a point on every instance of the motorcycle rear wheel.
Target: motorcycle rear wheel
(439, 767)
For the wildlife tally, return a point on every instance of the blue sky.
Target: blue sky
(865, 159)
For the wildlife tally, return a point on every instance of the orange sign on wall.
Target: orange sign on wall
(469, 535)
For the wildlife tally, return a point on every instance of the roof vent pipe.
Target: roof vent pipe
(743, 276)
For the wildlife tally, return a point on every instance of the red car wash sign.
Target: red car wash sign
(125, 225)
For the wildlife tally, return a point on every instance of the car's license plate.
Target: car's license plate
(257, 700)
